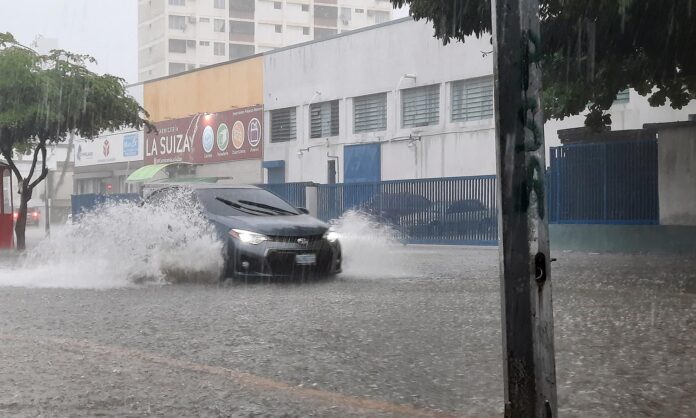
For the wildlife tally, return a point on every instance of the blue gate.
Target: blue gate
(454, 210)
(294, 193)
(607, 183)
(87, 202)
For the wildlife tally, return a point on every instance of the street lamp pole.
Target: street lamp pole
(527, 313)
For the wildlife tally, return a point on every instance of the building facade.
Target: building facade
(362, 107)
(179, 35)
(210, 120)
(359, 107)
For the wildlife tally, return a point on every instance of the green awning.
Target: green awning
(147, 172)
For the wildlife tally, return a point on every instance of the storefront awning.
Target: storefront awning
(147, 172)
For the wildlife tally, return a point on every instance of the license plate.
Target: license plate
(306, 259)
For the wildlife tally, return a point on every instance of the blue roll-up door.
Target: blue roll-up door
(362, 163)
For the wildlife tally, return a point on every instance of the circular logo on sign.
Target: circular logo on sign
(208, 139)
(238, 134)
(254, 133)
(223, 137)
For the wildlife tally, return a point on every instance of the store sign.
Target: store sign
(107, 149)
(207, 138)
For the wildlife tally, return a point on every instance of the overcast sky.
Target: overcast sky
(105, 29)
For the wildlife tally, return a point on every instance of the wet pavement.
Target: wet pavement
(422, 343)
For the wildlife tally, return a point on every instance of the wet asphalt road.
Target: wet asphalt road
(424, 343)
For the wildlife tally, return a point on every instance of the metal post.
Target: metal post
(527, 313)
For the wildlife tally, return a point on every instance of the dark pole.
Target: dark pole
(527, 314)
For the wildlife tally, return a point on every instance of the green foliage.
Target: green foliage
(593, 49)
(44, 98)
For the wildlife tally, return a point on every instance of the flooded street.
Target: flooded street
(425, 343)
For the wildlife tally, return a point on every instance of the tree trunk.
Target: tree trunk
(21, 224)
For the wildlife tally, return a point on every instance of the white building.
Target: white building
(391, 102)
(179, 35)
(102, 164)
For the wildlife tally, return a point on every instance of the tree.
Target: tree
(44, 99)
(593, 49)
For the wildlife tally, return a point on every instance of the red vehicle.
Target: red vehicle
(33, 216)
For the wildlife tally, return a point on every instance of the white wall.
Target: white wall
(374, 61)
(677, 175)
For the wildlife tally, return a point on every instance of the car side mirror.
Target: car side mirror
(303, 210)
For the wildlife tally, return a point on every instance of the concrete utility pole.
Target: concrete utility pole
(527, 314)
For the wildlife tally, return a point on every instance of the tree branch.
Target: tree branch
(13, 167)
(44, 169)
(39, 146)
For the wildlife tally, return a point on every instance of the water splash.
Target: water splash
(370, 249)
(123, 244)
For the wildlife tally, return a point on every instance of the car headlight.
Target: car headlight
(331, 235)
(248, 237)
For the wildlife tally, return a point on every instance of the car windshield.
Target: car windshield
(244, 202)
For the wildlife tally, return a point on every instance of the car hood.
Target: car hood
(294, 225)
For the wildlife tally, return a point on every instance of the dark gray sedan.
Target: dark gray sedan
(263, 235)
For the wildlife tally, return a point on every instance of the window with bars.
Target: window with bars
(283, 125)
(420, 106)
(177, 2)
(472, 99)
(323, 119)
(219, 4)
(370, 113)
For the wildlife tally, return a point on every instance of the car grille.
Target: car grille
(311, 239)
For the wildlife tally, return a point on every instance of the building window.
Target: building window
(622, 97)
(283, 125)
(305, 30)
(219, 49)
(219, 4)
(420, 106)
(370, 113)
(177, 46)
(324, 119)
(277, 5)
(240, 51)
(278, 28)
(177, 2)
(359, 10)
(204, 20)
(218, 25)
(177, 22)
(380, 16)
(472, 99)
(176, 67)
(241, 31)
(204, 43)
(242, 9)
(305, 7)
(346, 15)
(321, 33)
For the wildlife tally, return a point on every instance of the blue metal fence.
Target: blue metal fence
(294, 193)
(87, 202)
(608, 183)
(455, 210)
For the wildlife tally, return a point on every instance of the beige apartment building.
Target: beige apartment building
(179, 35)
